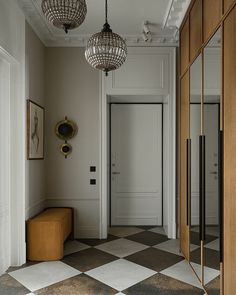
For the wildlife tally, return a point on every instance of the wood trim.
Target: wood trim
(227, 4)
(212, 13)
(195, 27)
(229, 153)
(184, 47)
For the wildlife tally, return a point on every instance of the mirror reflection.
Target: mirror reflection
(195, 132)
(212, 100)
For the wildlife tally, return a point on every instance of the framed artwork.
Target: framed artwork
(35, 131)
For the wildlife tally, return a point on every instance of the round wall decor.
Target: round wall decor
(66, 149)
(66, 129)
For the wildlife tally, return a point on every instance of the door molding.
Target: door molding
(148, 191)
(17, 159)
(104, 92)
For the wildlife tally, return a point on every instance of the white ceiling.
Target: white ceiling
(125, 17)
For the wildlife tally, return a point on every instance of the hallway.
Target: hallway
(132, 261)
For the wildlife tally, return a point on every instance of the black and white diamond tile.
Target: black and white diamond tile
(120, 274)
(132, 261)
(122, 247)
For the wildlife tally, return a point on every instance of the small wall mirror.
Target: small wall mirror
(66, 129)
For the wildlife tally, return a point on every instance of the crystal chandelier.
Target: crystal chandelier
(65, 14)
(106, 50)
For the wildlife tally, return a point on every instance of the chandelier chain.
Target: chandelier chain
(106, 9)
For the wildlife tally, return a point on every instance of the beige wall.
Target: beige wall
(35, 90)
(72, 89)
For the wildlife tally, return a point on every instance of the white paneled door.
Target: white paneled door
(136, 164)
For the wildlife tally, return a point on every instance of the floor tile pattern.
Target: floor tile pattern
(132, 261)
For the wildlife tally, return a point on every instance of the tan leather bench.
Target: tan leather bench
(47, 232)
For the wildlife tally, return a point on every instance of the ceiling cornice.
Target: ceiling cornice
(176, 13)
(45, 32)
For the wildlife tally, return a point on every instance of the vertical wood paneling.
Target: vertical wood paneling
(195, 29)
(227, 4)
(184, 47)
(212, 12)
(229, 154)
(184, 134)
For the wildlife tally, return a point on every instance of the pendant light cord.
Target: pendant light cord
(106, 9)
(106, 27)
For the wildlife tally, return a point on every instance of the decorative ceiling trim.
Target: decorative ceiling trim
(48, 35)
(176, 13)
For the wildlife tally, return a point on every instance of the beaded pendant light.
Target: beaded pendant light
(65, 14)
(106, 50)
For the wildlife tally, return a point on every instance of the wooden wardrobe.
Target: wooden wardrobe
(205, 22)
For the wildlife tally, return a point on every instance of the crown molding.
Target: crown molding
(50, 37)
(176, 13)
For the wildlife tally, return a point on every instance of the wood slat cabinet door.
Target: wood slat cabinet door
(212, 12)
(184, 47)
(195, 29)
(227, 4)
(229, 153)
(184, 134)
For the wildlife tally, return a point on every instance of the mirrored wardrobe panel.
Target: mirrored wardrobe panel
(213, 153)
(193, 170)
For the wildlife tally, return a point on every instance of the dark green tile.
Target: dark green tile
(146, 227)
(79, 285)
(88, 259)
(154, 259)
(162, 285)
(9, 286)
(148, 238)
(213, 288)
(194, 237)
(96, 242)
(211, 257)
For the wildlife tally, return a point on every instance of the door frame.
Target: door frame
(109, 151)
(104, 99)
(17, 159)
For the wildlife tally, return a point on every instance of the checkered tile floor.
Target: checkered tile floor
(132, 261)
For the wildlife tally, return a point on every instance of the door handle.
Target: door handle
(202, 188)
(115, 173)
(188, 183)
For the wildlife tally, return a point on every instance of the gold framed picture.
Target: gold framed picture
(35, 131)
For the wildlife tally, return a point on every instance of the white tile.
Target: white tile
(214, 245)
(209, 273)
(73, 247)
(120, 293)
(193, 247)
(124, 231)
(183, 272)
(30, 294)
(43, 274)
(121, 274)
(121, 247)
(158, 230)
(173, 246)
